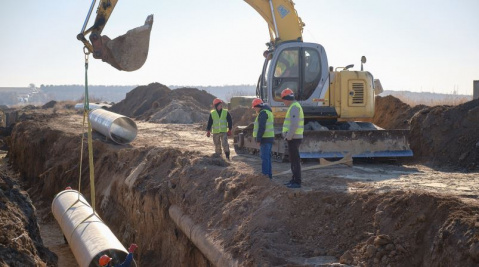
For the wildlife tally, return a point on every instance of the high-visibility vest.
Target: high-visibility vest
(269, 128)
(287, 121)
(220, 124)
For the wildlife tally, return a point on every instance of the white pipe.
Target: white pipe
(92, 106)
(215, 254)
(89, 238)
(120, 129)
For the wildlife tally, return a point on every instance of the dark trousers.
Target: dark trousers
(294, 159)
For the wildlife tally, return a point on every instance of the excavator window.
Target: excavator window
(286, 73)
(312, 72)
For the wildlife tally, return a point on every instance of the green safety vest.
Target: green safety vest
(269, 129)
(220, 124)
(287, 121)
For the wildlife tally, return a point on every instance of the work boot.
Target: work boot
(294, 185)
(227, 155)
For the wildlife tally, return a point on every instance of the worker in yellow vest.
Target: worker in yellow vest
(293, 128)
(263, 132)
(220, 124)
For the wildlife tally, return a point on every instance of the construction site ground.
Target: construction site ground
(373, 213)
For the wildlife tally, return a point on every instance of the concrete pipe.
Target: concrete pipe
(120, 129)
(199, 237)
(89, 238)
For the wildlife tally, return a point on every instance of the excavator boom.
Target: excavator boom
(284, 24)
(127, 52)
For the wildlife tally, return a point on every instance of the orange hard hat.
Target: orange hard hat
(256, 102)
(287, 92)
(217, 101)
(104, 260)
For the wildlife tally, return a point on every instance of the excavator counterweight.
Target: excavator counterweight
(127, 52)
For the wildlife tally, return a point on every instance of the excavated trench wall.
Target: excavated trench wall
(255, 220)
(49, 161)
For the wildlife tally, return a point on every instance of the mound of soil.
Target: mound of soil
(447, 135)
(158, 103)
(392, 113)
(20, 240)
(242, 116)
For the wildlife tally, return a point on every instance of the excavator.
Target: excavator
(337, 102)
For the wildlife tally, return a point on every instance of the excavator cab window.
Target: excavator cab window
(312, 72)
(286, 73)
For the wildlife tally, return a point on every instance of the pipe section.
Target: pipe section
(199, 237)
(120, 129)
(93, 106)
(89, 238)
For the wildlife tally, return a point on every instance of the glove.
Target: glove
(132, 248)
(229, 133)
(208, 134)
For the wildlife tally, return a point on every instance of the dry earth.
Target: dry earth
(391, 213)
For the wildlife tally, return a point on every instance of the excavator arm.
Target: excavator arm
(284, 24)
(127, 52)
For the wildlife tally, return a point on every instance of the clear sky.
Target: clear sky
(421, 46)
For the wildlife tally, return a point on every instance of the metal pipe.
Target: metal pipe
(214, 253)
(92, 106)
(89, 238)
(120, 129)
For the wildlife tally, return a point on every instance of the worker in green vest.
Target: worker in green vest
(263, 132)
(220, 124)
(293, 128)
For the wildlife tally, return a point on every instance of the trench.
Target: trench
(240, 217)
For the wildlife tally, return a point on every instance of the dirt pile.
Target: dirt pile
(447, 135)
(242, 116)
(158, 103)
(20, 241)
(392, 113)
(257, 221)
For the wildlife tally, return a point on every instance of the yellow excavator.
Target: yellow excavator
(337, 103)
(127, 52)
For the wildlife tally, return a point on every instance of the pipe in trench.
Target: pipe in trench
(199, 237)
(120, 129)
(89, 238)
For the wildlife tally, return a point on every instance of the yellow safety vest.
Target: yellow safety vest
(220, 124)
(287, 121)
(269, 129)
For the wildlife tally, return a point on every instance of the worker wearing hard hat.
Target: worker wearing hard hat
(263, 132)
(105, 260)
(293, 128)
(220, 124)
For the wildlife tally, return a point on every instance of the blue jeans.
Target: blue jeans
(265, 152)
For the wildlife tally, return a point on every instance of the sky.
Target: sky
(419, 46)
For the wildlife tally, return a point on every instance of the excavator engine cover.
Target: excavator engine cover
(127, 52)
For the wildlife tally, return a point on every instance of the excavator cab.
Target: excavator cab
(127, 52)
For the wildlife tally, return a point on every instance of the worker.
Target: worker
(293, 128)
(263, 132)
(220, 123)
(105, 260)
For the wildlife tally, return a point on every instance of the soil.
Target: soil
(371, 214)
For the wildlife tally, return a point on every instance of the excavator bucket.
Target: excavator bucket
(127, 52)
